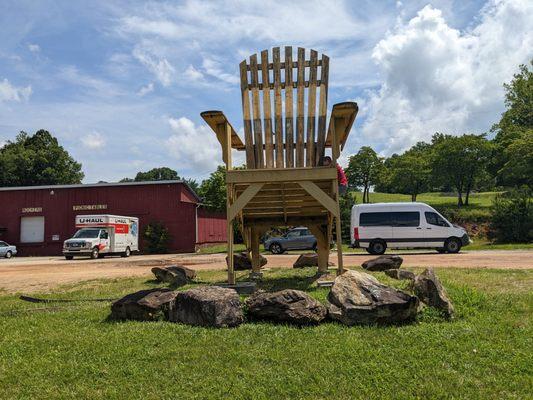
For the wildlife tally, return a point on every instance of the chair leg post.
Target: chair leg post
(340, 267)
(256, 261)
(231, 271)
(322, 248)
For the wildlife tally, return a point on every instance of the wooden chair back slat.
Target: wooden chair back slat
(286, 135)
(322, 109)
(289, 115)
(267, 118)
(300, 79)
(258, 132)
(278, 125)
(311, 111)
(247, 120)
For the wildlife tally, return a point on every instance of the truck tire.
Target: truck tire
(69, 257)
(95, 253)
(377, 247)
(126, 253)
(9, 254)
(452, 245)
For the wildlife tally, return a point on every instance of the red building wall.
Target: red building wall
(172, 203)
(211, 227)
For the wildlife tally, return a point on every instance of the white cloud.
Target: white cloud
(195, 147)
(34, 48)
(93, 141)
(8, 92)
(436, 78)
(146, 89)
(215, 69)
(160, 67)
(192, 74)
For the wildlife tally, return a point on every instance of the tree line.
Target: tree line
(461, 164)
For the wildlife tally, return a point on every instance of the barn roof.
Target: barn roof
(102, 184)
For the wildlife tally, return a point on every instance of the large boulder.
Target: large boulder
(289, 305)
(358, 298)
(383, 263)
(242, 262)
(175, 275)
(308, 260)
(207, 306)
(428, 288)
(144, 305)
(400, 274)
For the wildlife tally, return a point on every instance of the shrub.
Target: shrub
(512, 217)
(156, 237)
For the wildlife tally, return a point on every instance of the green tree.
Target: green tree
(460, 162)
(512, 216)
(157, 237)
(410, 172)
(516, 124)
(193, 184)
(518, 167)
(364, 170)
(157, 174)
(37, 160)
(213, 190)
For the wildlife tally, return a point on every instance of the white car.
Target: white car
(6, 250)
(376, 227)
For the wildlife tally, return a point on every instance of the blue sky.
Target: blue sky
(122, 83)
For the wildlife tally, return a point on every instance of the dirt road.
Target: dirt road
(32, 274)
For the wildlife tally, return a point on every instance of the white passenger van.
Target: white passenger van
(376, 227)
(101, 235)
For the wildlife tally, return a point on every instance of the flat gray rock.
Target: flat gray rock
(289, 306)
(400, 274)
(383, 263)
(144, 305)
(175, 275)
(211, 306)
(359, 298)
(241, 262)
(429, 289)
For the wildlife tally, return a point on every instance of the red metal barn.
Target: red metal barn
(38, 219)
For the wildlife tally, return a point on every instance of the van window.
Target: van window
(406, 218)
(435, 219)
(375, 219)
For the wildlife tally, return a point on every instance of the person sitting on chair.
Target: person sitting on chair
(341, 176)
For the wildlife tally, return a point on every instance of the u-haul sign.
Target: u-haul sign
(120, 224)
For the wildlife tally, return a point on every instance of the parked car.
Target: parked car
(6, 250)
(295, 239)
(376, 227)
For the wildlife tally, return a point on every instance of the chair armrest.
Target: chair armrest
(340, 123)
(217, 121)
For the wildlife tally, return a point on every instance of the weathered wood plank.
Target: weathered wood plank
(267, 118)
(258, 133)
(322, 110)
(300, 154)
(247, 121)
(345, 114)
(311, 111)
(278, 124)
(322, 197)
(289, 115)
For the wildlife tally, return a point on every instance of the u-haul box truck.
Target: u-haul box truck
(100, 235)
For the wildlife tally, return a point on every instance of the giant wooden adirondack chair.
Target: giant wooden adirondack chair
(285, 139)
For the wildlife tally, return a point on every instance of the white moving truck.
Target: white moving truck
(375, 227)
(101, 235)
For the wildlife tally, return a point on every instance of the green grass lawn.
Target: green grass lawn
(75, 352)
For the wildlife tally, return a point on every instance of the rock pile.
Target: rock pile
(428, 288)
(383, 263)
(241, 261)
(308, 260)
(175, 275)
(144, 305)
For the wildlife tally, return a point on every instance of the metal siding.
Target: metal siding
(211, 227)
(147, 202)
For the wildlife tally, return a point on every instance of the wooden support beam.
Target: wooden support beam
(281, 175)
(243, 199)
(320, 196)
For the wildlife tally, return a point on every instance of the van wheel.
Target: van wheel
(9, 254)
(275, 248)
(452, 245)
(95, 253)
(377, 247)
(69, 257)
(127, 253)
